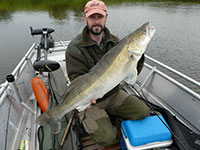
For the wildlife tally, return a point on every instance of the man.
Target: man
(83, 52)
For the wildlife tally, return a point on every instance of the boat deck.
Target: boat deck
(89, 144)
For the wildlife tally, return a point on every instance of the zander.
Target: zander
(117, 65)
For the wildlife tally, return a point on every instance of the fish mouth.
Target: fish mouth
(151, 30)
(148, 29)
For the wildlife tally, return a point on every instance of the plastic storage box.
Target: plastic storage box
(147, 133)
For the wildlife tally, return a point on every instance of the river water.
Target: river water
(176, 42)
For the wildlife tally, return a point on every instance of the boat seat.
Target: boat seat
(46, 65)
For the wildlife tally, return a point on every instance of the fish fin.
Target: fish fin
(131, 78)
(46, 118)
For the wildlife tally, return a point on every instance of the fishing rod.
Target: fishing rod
(67, 129)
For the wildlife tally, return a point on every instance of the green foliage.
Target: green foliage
(39, 4)
(12, 5)
(57, 8)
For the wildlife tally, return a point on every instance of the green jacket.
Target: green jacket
(83, 53)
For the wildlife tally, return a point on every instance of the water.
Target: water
(176, 42)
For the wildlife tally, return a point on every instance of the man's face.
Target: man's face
(96, 23)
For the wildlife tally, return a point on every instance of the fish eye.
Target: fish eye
(144, 30)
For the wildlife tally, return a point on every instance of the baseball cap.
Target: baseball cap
(95, 6)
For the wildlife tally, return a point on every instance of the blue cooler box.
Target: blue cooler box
(147, 133)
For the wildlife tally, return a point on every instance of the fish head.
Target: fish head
(138, 40)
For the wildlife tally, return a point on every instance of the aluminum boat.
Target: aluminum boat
(19, 108)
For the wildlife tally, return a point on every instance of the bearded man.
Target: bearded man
(83, 52)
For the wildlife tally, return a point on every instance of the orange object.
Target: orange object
(41, 93)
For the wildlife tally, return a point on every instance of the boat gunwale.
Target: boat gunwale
(185, 88)
(64, 44)
(173, 70)
(4, 86)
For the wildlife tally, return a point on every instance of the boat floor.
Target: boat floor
(89, 144)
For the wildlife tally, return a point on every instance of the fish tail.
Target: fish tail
(47, 119)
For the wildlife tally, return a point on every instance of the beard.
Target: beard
(96, 32)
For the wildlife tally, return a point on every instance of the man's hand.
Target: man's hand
(93, 102)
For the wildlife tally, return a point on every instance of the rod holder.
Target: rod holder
(11, 80)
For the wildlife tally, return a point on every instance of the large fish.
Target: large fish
(118, 64)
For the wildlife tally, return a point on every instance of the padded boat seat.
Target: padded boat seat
(46, 66)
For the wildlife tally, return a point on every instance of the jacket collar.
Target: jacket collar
(86, 41)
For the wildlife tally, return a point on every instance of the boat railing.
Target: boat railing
(174, 71)
(62, 45)
(155, 70)
(58, 46)
(16, 72)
